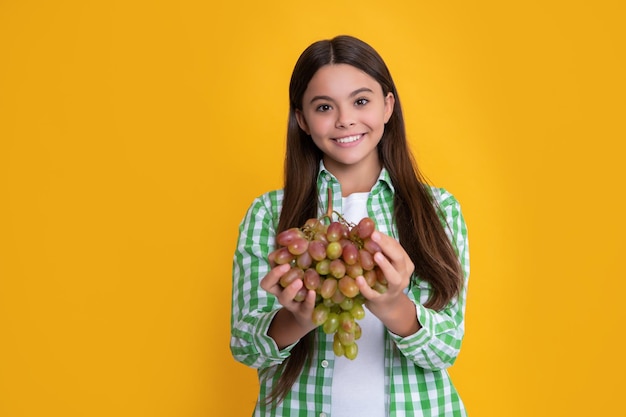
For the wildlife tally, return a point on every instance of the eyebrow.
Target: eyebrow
(354, 93)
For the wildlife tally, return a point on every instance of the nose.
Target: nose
(345, 119)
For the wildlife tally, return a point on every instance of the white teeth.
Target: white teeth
(349, 139)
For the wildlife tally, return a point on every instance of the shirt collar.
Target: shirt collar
(384, 180)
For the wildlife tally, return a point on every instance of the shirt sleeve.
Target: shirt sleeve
(437, 344)
(252, 308)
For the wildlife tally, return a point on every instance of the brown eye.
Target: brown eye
(323, 108)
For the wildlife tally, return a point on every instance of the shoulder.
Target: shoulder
(265, 208)
(270, 198)
(442, 197)
(447, 206)
(270, 201)
(449, 211)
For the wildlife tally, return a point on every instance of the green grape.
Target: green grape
(328, 302)
(320, 314)
(333, 250)
(357, 331)
(337, 346)
(351, 351)
(357, 311)
(331, 324)
(359, 299)
(347, 304)
(323, 267)
(346, 338)
(346, 321)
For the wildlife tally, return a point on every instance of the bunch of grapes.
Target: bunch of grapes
(328, 258)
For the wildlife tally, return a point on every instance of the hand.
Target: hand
(393, 307)
(301, 311)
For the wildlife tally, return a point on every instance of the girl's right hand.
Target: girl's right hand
(301, 311)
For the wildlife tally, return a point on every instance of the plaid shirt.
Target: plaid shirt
(416, 378)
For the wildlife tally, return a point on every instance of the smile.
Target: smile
(349, 139)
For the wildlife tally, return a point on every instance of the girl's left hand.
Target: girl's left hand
(397, 267)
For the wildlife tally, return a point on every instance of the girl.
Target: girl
(346, 132)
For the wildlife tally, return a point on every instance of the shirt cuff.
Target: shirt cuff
(266, 345)
(418, 339)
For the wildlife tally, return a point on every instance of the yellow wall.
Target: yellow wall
(134, 134)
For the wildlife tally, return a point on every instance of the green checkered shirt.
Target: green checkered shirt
(416, 378)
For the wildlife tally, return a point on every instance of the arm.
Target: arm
(253, 309)
(431, 339)
(293, 321)
(437, 344)
(265, 321)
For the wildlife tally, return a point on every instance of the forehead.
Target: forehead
(339, 80)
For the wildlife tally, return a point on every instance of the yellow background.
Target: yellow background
(134, 134)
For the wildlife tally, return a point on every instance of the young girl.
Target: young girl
(346, 132)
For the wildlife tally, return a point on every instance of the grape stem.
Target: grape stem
(330, 211)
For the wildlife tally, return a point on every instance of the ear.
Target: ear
(390, 101)
(302, 121)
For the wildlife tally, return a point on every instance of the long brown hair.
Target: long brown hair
(420, 230)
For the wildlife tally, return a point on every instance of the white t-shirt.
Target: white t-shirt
(359, 385)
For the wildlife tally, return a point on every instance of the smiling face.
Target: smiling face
(344, 111)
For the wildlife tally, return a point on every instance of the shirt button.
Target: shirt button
(324, 365)
(322, 414)
(327, 179)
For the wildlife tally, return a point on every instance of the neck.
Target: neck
(355, 179)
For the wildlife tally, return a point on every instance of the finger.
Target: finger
(390, 246)
(367, 292)
(290, 291)
(270, 282)
(389, 270)
(383, 262)
(383, 239)
(309, 301)
(395, 253)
